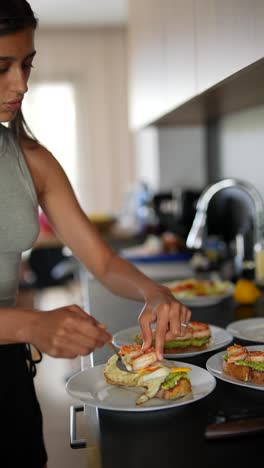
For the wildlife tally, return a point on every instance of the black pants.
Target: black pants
(21, 436)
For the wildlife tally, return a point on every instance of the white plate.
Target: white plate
(202, 301)
(90, 387)
(220, 338)
(248, 329)
(215, 366)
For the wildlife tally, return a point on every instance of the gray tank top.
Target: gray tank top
(19, 226)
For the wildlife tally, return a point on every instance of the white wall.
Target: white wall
(147, 157)
(242, 147)
(175, 157)
(171, 157)
(182, 157)
(95, 61)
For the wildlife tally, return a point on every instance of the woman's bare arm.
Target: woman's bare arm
(73, 227)
(64, 332)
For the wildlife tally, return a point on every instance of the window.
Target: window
(49, 110)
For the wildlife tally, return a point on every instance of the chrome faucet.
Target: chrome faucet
(195, 239)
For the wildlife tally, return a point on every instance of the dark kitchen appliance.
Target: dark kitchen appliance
(175, 209)
(234, 210)
(230, 212)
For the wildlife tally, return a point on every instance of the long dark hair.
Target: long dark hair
(16, 15)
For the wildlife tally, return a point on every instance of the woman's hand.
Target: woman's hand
(170, 316)
(67, 332)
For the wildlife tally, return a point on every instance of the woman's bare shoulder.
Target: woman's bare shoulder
(39, 158)
(34, 149)
(41, 162)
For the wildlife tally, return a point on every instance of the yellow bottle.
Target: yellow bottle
(259, 262)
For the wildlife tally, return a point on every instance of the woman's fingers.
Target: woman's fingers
(182, 322)
(82, 323)
(171, 318)
(88, 329)
(161, 329)
(185, 319)
(70, 348)
(68, 331)
(145, 325)
(78, 310)
(175, 318)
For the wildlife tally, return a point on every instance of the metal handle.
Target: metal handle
(75, 444)
(113, 348)
(238, 428)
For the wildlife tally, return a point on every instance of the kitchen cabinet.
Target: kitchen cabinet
(161, 57)
(180, 49)
(146, 61)
(180, 80)
(229, 37)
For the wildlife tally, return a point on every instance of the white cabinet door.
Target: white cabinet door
(161, 58)
(229, 37)
(147, 85)
(179, 48)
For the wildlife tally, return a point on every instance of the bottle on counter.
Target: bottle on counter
(259, 262)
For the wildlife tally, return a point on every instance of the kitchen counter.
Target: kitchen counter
(176, 437)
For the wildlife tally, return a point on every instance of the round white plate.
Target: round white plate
(215, 366)
(90, 387)
(220, 338)
(248, 329)
(202, 301)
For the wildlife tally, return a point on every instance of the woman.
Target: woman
(31, 177)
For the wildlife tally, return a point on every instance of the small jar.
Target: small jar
(259, 262)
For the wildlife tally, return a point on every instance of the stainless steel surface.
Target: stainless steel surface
(119, 362)
(195, 237)
(75, 444)
(239, 428)
(115, 312)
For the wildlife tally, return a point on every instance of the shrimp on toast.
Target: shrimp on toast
(160, 378)
(244, 364)
(236, 353)
(197, 336)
